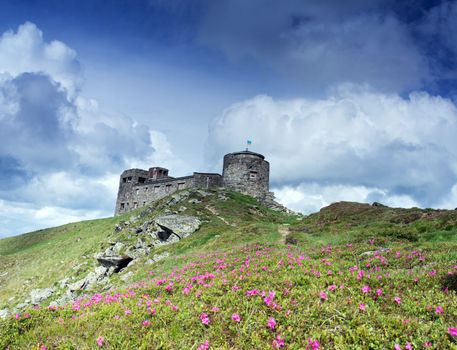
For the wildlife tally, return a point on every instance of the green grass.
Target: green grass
(242, 247)
(39, 259)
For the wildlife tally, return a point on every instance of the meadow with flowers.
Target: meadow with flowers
(325, 284)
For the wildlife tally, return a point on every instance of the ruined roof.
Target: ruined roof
(246, 153)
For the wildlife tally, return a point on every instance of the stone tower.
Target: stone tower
(246, 172)
(126, 197)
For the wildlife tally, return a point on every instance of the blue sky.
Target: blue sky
(350, 100)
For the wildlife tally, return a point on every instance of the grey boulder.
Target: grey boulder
(39, 295)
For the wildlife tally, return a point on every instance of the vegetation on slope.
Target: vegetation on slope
(234, 284)
(41, 259)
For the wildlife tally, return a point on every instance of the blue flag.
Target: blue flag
(249, 142)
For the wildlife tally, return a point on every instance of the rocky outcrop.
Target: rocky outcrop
(39, 295)
(98, 276)
(4, 313)
(180, 225)
(157, 257)
(166, 229)
(118, 262)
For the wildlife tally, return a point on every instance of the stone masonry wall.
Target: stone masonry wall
(140, 194)
(246, 172)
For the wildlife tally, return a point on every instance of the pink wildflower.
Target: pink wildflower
(365, 289)
(362, 307)
(323, 295)
(252, 292)
(397, 347)
(204, 318)
(271, 323)
(313, 344)
(127, 312)
(379, 292)
(408, 346)
(332, 287)
(452, 331)
(360, 275)
(278, 342)
(17, 316)
(236, 317)
(100, 341)
(397, 300)
(439, 310)
(204, 346)
(428, 344)
(43, 347)
(146, 323)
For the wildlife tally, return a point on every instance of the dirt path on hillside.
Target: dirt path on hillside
(283, 230)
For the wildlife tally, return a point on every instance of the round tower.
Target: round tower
(246, 172)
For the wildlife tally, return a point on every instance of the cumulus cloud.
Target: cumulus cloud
(26, 51)
(319, 43)
(354, 137)
(60, 155)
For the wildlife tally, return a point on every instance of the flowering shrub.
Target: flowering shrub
(263, 296)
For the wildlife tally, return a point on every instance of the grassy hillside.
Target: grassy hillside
(353, 276)
(40, 259)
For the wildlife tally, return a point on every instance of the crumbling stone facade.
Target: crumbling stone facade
(246, 172)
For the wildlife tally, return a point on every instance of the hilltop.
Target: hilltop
(217, 269)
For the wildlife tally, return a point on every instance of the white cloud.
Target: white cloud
(311, 197)
(20, 217)
(355, 137)
(26, 51)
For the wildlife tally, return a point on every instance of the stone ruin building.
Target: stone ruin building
(246, 172)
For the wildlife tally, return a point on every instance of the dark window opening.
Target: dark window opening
(141, 180)
(124, 179)
(122, 206)
(129, 179)
(253, 175)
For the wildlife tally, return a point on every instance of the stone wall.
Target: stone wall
(246, 172)
(136, 195)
